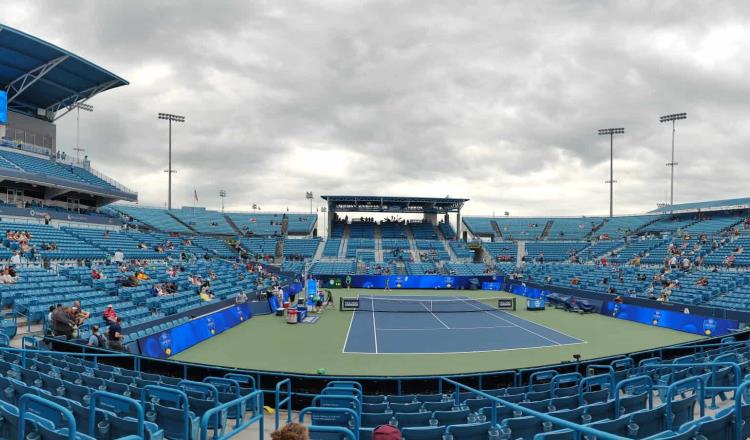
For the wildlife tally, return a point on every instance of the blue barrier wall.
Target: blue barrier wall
(408, 281)
(176, 339)
(652, 313)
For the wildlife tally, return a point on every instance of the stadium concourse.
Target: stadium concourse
(123, 321)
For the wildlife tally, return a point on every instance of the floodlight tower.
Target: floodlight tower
(666, 118)
(171, 118)
(611, 132)
(223, 195)
(87, 108)
(309, 196)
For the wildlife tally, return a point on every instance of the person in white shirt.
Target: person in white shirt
(16, 258)
(118, 257)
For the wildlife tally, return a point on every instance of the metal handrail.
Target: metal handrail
(97, 396)
(581, 429)
(287, 383)
(23, 412)
(241, 424)
(176, 396)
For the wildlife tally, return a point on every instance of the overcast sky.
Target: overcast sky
(496, 101)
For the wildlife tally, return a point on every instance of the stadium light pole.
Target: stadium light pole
(667, 118)
(611, 132)
(323, 209)
(309, 196)
(171, 118)
(87, 108)
(222, 194)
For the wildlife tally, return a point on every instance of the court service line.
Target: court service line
(531, 322)
(451, 328)
(434, 316)
(509, 322)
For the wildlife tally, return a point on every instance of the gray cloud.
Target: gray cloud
(495, 101)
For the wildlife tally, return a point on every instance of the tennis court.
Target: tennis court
(445, 324)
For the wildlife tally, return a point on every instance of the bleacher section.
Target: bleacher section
(423, 231)
(619, 227)
(268, 224)
(333, 268)
(432, 250)
(158, 219)
(301, 247)
(331, 248)
(203, 221)
(572, 228)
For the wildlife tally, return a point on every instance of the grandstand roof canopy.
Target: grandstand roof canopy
(394, 204)
(42, 78)
(713, 205)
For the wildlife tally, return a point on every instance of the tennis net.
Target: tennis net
(427, 305)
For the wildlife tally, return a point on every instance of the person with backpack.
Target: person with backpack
(96, 339)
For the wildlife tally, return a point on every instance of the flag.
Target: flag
(195, 195)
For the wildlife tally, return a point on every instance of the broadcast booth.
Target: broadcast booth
(429, 207)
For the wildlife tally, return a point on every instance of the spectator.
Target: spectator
(79, 315)
(61, 323)
(96, 339)
(16, 258)
(118, 257)
(241, 298)
(386, 432)
(115, 335)
(110, 316)
(292, 431)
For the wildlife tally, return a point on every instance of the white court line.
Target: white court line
(346, 341)
(505, 320)
(538, 347)
(434, 316)
(374, 326)
(451, 328)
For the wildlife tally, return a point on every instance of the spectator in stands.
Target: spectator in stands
(96, 339)
(61, 323)
(7, 276)
(575, 281)
(16, 258)
(114, 334)
(386, 432)
(241, 298)
(118, 257)
(79, 315)
(685, 264)
(110, 316)
(702, 282)
(292, 431)
(95, 274)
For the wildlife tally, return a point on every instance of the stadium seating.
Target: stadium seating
(657, 398)
(203, 221)
(158, 219)
(301, 247)
(572, 228)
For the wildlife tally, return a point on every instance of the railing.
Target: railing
(278, 401)
(576, 428)
(240, 424)
(24, 413)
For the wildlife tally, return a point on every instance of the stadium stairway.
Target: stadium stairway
(545, 231)
(496, 228)
(319, 250)
(233, 225)
(412, 245)
(345, 240)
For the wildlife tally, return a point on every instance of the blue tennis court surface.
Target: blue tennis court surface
(382, 329)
